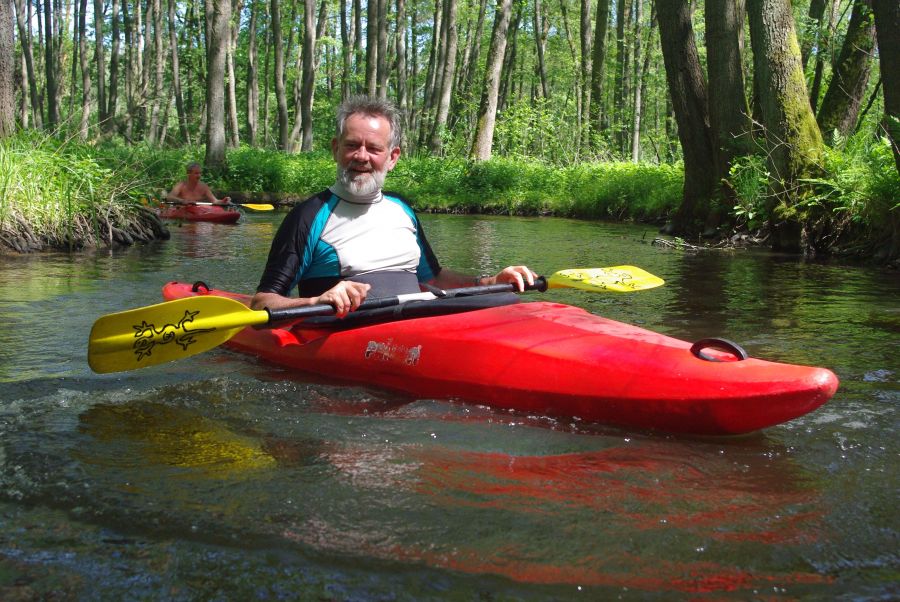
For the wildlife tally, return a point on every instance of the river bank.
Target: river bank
(68, 196)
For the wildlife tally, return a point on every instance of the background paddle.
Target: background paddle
(254, 206)
(174, 330)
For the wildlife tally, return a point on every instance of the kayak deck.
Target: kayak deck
(547, 359)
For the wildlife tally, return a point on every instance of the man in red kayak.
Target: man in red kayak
(191, 190)
(352, 240)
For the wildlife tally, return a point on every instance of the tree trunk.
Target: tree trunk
(154, 136)
(640, 86)
(25, 42)
(113, 93)
(231, 103)
(823, 43)
(371, 47)
(887, 24)
(218, 18)
(176, 76)
(687, 90)
(381, 86)
(844, 97)
(431, 78)
(76, 63)
(50, 66)
(129, 72)
(346, 48)
(402, 98)
(810, 38)
(446, 73)
(356, 38)
(281, 99)
(540, 42)
(487, 114)
(636, 104)
(729, 111)
(620, 93)
(793, 141)
(100, 59)
(586, 70)
(266, 81)
(252, 78)
(308, 73)
(7, 69)
(85, 123)
(509, 59)
(601, 25)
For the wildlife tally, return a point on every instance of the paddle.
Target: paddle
(177, 329)
(254, 206)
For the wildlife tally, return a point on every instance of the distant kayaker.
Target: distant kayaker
(352, 240)
(191, 190)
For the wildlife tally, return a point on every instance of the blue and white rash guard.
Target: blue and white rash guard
(326, 239)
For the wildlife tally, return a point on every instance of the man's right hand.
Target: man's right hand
(345, 296)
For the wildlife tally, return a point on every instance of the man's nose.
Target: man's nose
(361, 154)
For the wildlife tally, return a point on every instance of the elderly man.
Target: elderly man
(352, 240)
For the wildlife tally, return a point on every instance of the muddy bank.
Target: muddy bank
(117, 227)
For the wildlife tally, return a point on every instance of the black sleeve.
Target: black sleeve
(283, 266)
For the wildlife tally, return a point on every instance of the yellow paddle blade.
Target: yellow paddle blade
(165, 332)
(257, 206)
(620, 279)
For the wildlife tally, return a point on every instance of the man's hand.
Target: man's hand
(345, 296)
(519, 275)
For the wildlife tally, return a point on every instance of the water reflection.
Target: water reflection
(220, 456)
(145, 434)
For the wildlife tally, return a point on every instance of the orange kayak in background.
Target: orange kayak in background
(200, 213)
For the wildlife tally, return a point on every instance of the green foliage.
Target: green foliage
(625, 190)
(859, 185)
(256, 170)
(749, 177)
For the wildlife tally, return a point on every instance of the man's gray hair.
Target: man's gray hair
(373, 107)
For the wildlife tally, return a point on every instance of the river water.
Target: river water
(218, 477)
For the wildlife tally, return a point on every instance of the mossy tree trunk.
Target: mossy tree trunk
(793, 141)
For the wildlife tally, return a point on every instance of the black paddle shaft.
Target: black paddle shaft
(308, 311)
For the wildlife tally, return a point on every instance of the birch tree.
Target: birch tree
(487, 113)
(218, 18)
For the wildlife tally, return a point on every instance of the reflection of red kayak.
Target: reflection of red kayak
(200, 213)
(547, 359)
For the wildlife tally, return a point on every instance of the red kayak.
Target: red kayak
(541, 358)
(200, 213)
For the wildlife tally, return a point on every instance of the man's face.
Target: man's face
(193, 175)
(363, 153)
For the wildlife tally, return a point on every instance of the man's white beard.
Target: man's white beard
(361, 184)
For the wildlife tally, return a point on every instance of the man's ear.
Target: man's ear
(393, 158)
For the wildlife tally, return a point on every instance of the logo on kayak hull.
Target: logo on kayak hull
(390, 352)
